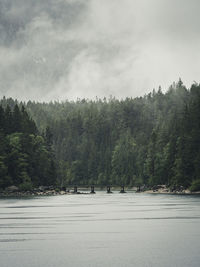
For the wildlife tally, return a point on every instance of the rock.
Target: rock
(165, 190)
(187, 191)
(44, 188)
(156, 187)
(41, 188)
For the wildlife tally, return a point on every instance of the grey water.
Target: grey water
(118, 230)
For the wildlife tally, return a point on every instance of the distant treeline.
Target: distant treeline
(149, 140)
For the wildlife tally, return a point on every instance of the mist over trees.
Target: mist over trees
(147, 140)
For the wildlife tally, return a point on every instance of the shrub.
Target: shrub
(195, 186)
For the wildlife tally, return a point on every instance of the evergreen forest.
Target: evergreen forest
(149, 140)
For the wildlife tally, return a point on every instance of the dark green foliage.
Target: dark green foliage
(147, 140)
(25, 158)
(195, 186)
(123, 160)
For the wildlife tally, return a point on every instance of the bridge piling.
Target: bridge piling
(92, 190)
(108, 190)
(122, 189)
(75, 190)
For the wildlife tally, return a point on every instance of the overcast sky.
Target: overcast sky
(68, 49)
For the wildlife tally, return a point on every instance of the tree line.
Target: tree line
(146, 140)
(26, 157)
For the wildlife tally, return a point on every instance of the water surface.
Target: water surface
(116, 230)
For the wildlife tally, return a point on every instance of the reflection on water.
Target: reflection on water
(100, 230)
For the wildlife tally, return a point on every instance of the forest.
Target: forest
(149, 140)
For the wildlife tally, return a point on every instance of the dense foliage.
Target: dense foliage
(26, 158)
(147, 140)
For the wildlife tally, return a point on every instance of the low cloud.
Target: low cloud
(68, 49)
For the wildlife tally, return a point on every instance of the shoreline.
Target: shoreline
(61, 192)
(38, 194)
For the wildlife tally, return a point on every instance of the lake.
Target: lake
(116, 230)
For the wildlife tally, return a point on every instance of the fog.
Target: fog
(68, 49)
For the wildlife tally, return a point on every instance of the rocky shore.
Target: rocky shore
(163, 189)
(14, 191)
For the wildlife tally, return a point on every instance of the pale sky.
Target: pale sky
(68, 49)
